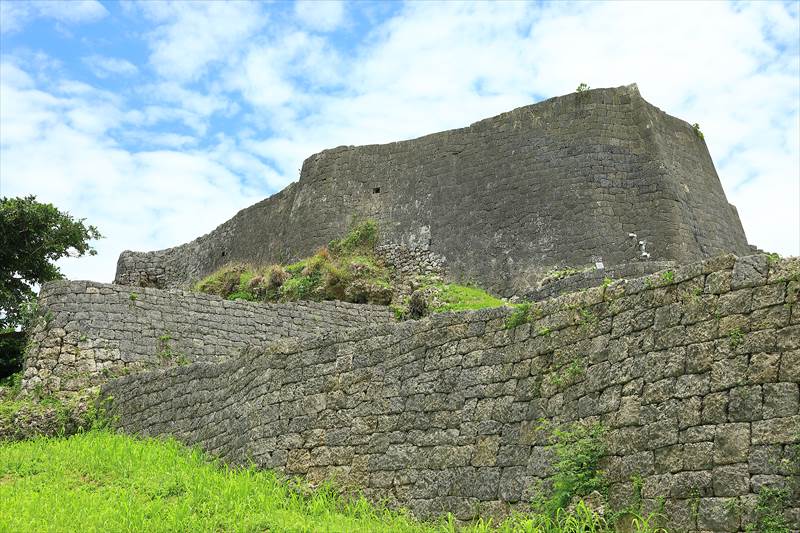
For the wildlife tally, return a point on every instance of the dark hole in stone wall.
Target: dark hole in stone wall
(376, 190)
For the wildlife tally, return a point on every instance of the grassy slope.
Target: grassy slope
(345, 270)
(463, 298)
(101, 481)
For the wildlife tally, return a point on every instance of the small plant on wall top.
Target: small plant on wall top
(696, 128)
(582, 87)
(521, 315)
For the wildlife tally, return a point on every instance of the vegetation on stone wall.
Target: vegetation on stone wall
(39, 414)
(348, 270)
(578, 449)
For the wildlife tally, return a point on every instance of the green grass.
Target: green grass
(463, 298)
(346, 270)
(102, 481)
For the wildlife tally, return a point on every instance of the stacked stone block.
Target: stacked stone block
(90, 332)
(504, 200)
(693, 371)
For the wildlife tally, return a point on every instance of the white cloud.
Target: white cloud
(291, 91)
(320, 15)
(732, 68)
(15, 14)
(192, 35)
(102, 66)
(144, 200)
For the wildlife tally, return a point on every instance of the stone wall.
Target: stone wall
(504, 200)
(407, 261)
(693, 371)
(91, 332)
(591, 277)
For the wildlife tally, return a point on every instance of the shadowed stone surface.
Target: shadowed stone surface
(95, 331)
(694, 377)
(503, 201)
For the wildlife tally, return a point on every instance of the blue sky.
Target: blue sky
(157, 121)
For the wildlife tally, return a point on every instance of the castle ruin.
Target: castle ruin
(692, 362)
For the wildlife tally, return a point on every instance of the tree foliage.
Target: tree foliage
(32, 236)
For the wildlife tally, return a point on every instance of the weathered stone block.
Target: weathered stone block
(732, 443)
(699, 357)
(731, 480)
(715, 408)
(669, 459)
(735, 302)
(727, 373)
(769, 295)
(717, 514)
(718, 282)
(689, 412)
(784, 430)
(692, 385)
(691, 484)
(744, 403)
(763, 367)
(697, 455)
(781, 400)
(790, 366)
(750, 271)
(486, 451)
(765, 459)
(775, 317)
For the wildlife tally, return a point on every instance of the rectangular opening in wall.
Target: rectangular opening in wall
(376, 190)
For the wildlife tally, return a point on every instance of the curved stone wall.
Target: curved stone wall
(91, 332)
(695, 373)
(504, 200)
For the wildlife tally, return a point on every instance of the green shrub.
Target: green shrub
(769, 512)
(241, 295)
(578, 448)
(347, 270)
(735, 337)
(224, 281)
(296, 268)
(12, 352)
(276, 277)
(521, 315)
(298, 288)
(363, 236)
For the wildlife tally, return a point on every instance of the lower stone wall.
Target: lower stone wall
(694, 372)
(90, 332)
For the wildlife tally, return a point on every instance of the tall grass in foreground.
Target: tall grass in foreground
(101, 481)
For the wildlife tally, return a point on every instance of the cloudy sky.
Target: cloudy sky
(157, 121)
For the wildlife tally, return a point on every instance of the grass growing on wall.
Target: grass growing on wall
(102, 481)
(452, 297)
(347, 269)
